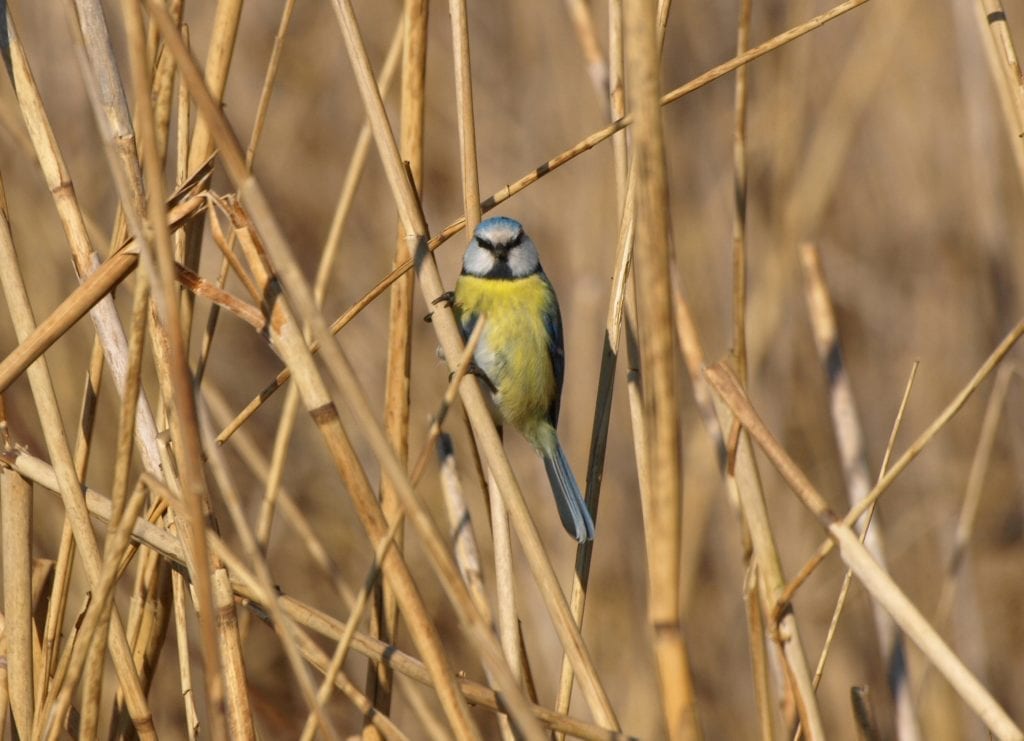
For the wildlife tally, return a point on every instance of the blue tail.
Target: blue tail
(571, 508)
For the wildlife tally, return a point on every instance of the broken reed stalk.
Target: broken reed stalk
(16, 518)
(663, 518)
(877, 582)
(915, 448)
(853, 459)
(615, 128)
(40, 380)
(384, 615)
(247, 586)
(1004, 66)
(504, 577)
(848, 576)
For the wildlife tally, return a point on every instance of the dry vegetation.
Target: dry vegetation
(880, 159)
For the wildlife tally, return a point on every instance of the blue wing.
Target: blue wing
(556, 350)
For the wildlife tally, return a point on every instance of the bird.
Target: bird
(520, 355)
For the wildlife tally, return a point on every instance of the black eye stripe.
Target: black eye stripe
(490, 246)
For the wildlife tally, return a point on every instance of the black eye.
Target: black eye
(517, 241)
(486, 244)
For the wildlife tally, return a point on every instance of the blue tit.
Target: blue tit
(520, 353)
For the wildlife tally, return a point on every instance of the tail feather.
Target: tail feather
(571, 508)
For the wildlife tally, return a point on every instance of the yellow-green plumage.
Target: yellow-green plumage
(514, 350)
(520, 350)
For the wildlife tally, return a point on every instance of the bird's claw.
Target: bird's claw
(475, 370)
(447, 298)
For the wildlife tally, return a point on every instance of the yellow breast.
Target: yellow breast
(514, 350)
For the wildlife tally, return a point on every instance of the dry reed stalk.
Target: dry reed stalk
(16, 516)
(51, 163)
(384, 615)
(464, 547)
(848, 576)
(87, 414)
(268, 82)
(96, 620)
(915, 448)
(218, 61)
(739, 218)
(585, 145)
(504, 577)
(663, 519)
(247, 587)
(119, 492)
(224, 685)
(180, 588)
(853, 459)
(972, 495)
(40, 381)
(743, 480)
(355, 617)
(292, 347)
(91, 292)
(343, 376)
(325, 269)
(599, 429)
(250, 547)
(878, 583)
(1004, 65)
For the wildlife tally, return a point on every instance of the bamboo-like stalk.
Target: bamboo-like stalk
(848, 576)
(227, 701)
(119, 496)
(972, 495)
(1004, 65)
(342, 374)
(16, 516)
(358, 609)
(602, 417)
(915, 448)
(739, 218)
(328, 258)
(504, 578)
(542, 170)
(268, 83)
(384, 615)
(76, 514)
(663, 520)
(96, 616)
(85, 260)
(852, 451)
(246, 587)
(878, 583)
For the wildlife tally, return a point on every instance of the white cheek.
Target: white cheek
(477, 261)
(522, 262)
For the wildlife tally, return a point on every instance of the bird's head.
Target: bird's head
(500, 249)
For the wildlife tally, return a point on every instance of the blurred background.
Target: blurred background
(878, 137)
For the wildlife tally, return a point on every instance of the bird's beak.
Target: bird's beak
(501, 252)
